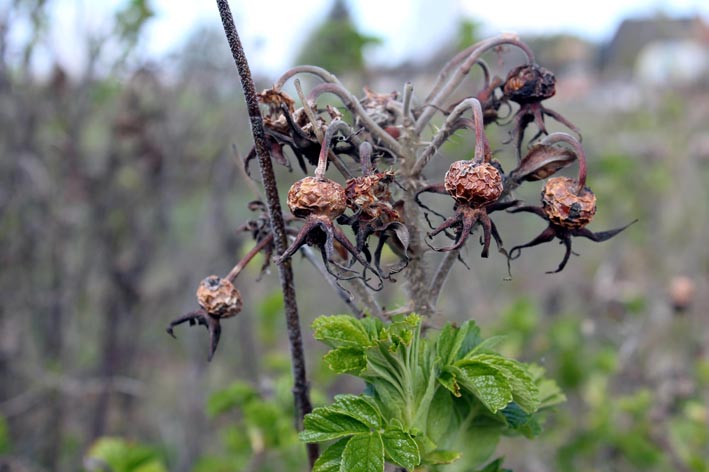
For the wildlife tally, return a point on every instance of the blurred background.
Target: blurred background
(122, 126)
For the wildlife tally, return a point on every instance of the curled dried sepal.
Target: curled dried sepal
(275, 101)
(542, 161)
(565, 207)
(380, 107)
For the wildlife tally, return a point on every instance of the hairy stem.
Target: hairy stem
(301, 395)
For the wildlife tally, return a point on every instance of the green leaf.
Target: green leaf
(346, 360)
(521, 421)
(125, 456)
(470, 333)
(494, 466)
(402, 329)
(549, 392)
(221, 401)
(324, 424)
(487, 344)
(440, 415)
(453, 343)
(363, 453)
(524, 388)
(449, 381)
(4, 436)
(331, 458)
(360, 408)
(440, 456)
(401, 448)
(341, 331)
(486, 383)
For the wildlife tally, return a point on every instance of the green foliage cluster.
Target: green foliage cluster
(610, 424)
(120, 455)
(428, 397)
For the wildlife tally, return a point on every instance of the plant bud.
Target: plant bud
(219, 297)
(312, 196)
(564, 207)
(473, 183)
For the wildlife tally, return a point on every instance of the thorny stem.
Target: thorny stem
(408, 94)
(449, 128)
(316, 129)
(440, 92)
(234, 273)
(334, 127)
(355, 107)
(561, 137)
(300, 383)
(365, 157)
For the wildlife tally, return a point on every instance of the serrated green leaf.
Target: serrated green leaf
(331, 458)
(401, 448)
(488, 384)
(363, 453)
(524, 389)
(549, 392)
(346, 360)
(440, 415)
(402, 330)
(470, 333)
(449, 381)
(487, 345)
(521, 421)
(323, 424)
(341, 331)
(440, 456)
(359, 407)
(453, 343)
(372, 326)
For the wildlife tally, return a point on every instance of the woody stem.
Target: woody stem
(334, 127)
(234, 273)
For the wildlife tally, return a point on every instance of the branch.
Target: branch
(440, 92)
(300, 383)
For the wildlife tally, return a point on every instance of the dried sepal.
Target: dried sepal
(541, 162)
(275, 101)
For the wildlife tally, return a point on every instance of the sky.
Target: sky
(273, 30)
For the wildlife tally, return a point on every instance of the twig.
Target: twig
(301, 395)
(435, 101)
(355, 107)
(447, 130)
(439, 279)
(408, 94)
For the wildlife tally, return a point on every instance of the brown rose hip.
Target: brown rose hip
(473, 183)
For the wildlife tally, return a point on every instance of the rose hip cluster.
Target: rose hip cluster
(380, 155)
